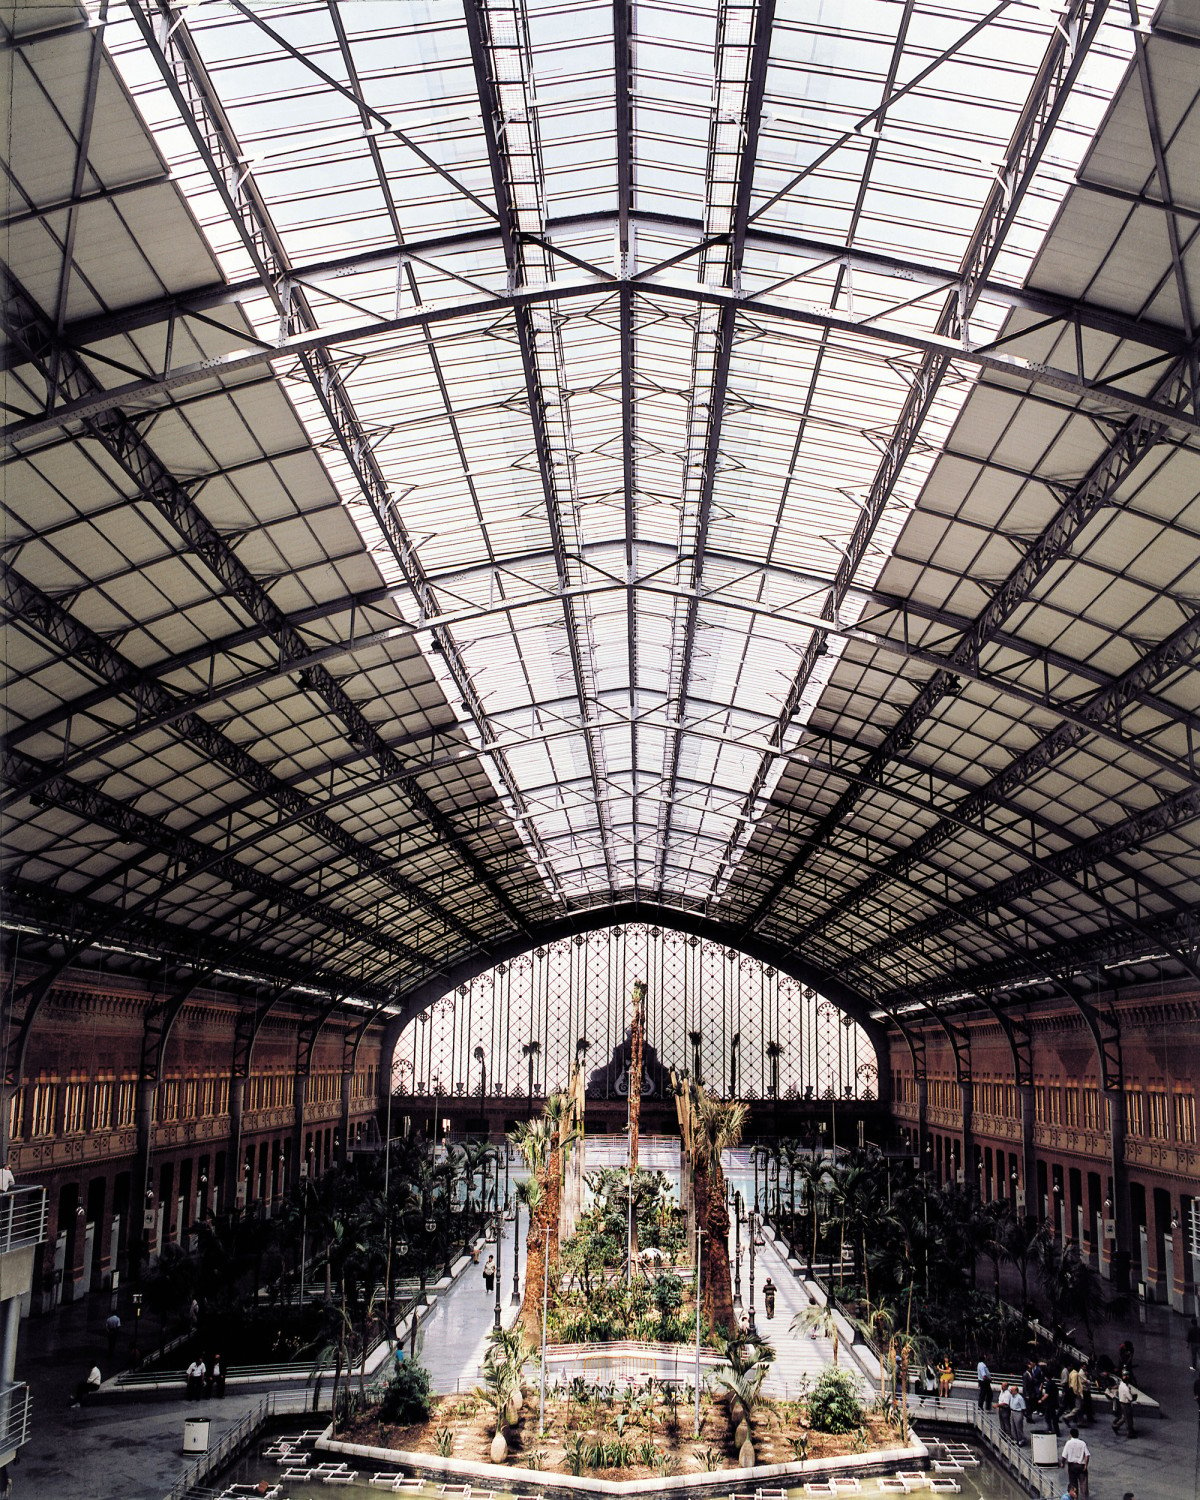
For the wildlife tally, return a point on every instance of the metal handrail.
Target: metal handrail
(240, 1436)
(22, 1217)
(15, 1407)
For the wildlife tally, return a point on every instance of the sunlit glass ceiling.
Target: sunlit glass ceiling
(659, 442)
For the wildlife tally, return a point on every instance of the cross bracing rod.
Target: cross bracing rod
(38, 611)
(185, 77)
(1132, 833)
(1105, 706)
(1040, 113)
(1106, 398)
(524, 263)
(1078, 316)
(125, 443)
(189, 856)
(1099, 488)
(55, 914)
(1100, 715)
(1073, 958)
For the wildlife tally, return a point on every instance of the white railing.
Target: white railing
(1019, 1462)
(22, 1218)
(239, 1437)
(15, 1408)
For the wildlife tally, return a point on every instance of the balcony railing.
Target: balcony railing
(22, 1218)
(14, 1416)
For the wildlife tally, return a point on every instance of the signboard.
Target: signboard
(1110, 1229)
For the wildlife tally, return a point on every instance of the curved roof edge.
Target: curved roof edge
(412, 1002)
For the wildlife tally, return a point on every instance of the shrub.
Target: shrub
(406, 1399)
(834, 1405)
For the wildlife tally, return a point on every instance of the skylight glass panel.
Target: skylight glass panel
(735, 401)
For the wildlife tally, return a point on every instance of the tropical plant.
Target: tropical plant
(835, 1404)
(406, 1398)
(821, 1323)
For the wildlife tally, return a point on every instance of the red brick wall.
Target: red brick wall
(86, 1042)
(1160, 1053)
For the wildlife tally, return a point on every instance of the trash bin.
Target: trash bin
(195, 1435)
(1043, 1447)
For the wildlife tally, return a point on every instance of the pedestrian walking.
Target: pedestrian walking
(1075, 1459)
(112, 1326)
(1087, 1405)
(1193, 1343)
(489, 1273)
(1017, 1409)
(1123, 1408)
(769, 1297)
(216, 1377)
(1004, 1410)
(945, 1378)
(984, 1376)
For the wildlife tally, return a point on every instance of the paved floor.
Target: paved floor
(799, 1357)
(1163, 1461)
(453, 1339)
(133, 1450)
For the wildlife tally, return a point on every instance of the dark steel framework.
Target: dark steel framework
(561, 717)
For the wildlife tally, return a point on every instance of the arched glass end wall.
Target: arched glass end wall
(750, 1031)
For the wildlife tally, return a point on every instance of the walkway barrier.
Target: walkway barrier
(14, 1416)
(1003, 1451)
(22, 1218)
(239, 1437)
(629, 1359)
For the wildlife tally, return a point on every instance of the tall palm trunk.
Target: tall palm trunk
(544, 1216)
(712, 1213)
(637, 1044)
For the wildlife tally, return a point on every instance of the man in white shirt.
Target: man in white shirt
(196, 1372)
(7, 1179)
(1016, 1409)
(1004, 1410)
(1123, 1412)
(1076, 1457)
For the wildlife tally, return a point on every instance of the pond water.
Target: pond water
(982, 1482)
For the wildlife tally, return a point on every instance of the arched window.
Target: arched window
(749, 1029)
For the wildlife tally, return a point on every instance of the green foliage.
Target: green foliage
(834, 1405)
(708, 1459)
(406, 1399)
(443, 1442)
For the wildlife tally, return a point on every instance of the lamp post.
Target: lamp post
(737, 1252)
(752, 1231)
(516, 1291)
(499, 1259)
(699, 1251)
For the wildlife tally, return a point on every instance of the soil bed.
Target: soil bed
(676, 1450)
